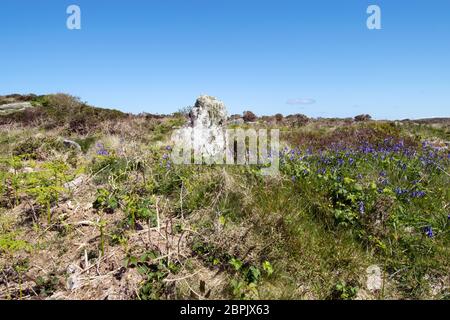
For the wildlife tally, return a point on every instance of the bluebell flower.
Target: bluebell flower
(102, 151)
(362, 208)
(418, 194)
(429, 232)
(399, 191)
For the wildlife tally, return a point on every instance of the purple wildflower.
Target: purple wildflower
(362, 208)
(399, 191)
(429, 232)
(418, 194)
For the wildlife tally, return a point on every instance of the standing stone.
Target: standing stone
(208, 112)
(206, 132)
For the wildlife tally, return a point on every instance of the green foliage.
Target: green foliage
(267, 267)
(27, 149)
(10, 244)
(86, 142)
(108, 166)
(155, 270)
(139, 209)
(46, 286)
(106, 201)
(343, 291)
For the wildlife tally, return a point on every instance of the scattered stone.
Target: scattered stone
(374, 278)
(14, 107)
(73, 282)
(75, 183)
(72, 144)
(71, 269)
(23, 170)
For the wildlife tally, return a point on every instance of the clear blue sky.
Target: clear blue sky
(159, 55)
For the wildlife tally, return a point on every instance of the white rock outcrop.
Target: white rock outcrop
(14, 107)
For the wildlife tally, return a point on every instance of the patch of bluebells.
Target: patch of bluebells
(165, 162)
(339, 160)
(101, 151)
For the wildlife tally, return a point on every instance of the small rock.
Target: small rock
(374, 278)
(71, 269)
(74, 183)
(73, 282)
(72, 144)
(24, 170)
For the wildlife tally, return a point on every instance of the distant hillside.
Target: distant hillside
(54, 110)
(63, 109)
(432, 121)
